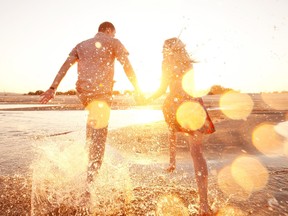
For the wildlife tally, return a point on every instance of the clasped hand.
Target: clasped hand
(141, 100)
(47, 96)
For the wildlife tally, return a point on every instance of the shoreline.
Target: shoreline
(261, 101)
(147, 154)
(143, 150)
(277, 103)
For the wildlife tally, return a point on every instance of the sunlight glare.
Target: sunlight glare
(190, 86)
(148, 84)
(191, 115)
(235, 105)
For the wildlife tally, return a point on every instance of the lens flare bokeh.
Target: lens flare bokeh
(235, 105)
(98, 45)
(98, 114)
(189, 85)
(243, 177)
(249, 173)
(229, 186)
(268, 141)
(191, 115)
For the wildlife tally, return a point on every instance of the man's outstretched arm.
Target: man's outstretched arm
(131, 75)
(129, 71)
(50, 93)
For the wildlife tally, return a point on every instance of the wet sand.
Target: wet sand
(232, 139)
(145, 147)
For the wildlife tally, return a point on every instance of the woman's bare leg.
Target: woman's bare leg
(172, 149)
(201, 170)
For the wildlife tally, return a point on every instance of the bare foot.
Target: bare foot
(86, 198)
(206, 212)
(171, 168)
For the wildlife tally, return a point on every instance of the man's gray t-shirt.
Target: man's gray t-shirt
(96, 57)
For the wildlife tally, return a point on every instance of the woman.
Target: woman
(183, 112)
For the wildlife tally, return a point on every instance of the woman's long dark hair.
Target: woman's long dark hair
(176, 48)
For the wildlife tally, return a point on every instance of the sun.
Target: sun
(148, 85)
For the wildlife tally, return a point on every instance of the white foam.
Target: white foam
(282, 129)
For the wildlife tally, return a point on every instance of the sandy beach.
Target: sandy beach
(133, 181)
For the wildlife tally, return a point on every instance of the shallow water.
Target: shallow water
(58, 172)
(19, 129)
(34, 142)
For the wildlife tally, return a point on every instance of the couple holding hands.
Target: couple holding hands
(182, 111)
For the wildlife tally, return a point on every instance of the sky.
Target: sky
(238, 44)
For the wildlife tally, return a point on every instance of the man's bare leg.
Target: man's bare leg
(96, 139)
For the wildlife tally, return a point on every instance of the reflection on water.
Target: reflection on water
(12, 106)
(20, 129)
(123, 186)
(32, 123)
(59, 168)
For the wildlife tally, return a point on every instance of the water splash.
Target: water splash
(59, 174)
(59, 181)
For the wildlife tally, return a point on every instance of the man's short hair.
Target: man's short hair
(106, 25)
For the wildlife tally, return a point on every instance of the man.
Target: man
(95, 58)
